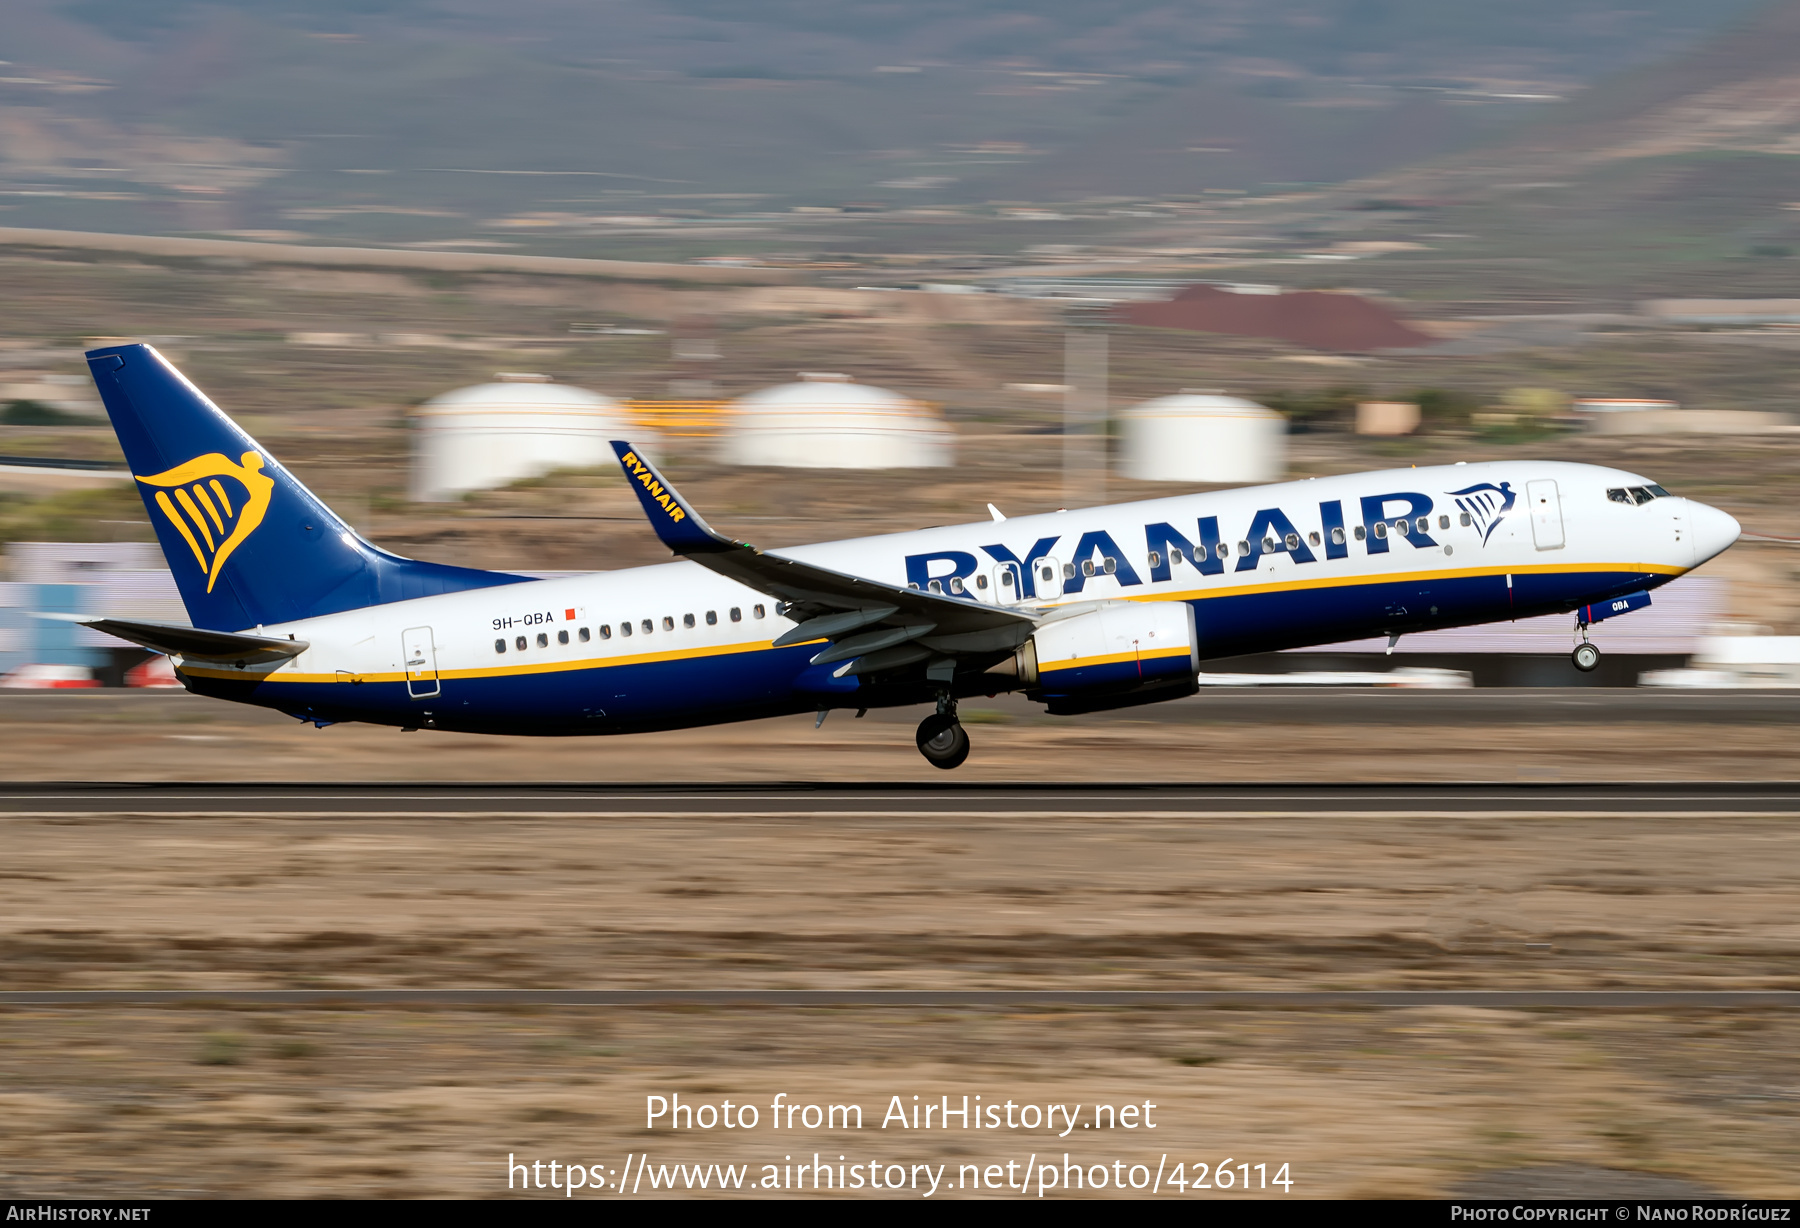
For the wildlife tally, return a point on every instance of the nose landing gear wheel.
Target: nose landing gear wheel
(1586, 658)
(943, 741)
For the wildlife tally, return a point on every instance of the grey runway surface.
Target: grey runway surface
(949, 800)
(1298, 705)
(1496, 999)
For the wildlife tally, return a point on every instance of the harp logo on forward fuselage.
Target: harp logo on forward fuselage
(214, 504)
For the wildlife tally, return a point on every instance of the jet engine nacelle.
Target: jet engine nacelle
(1113, 657)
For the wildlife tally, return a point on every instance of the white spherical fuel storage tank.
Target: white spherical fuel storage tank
(1203, 437)
(828, 421)
(523, 426)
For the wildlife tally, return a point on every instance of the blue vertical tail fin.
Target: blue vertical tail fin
(248, 544)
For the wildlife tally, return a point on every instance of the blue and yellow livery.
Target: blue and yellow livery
(1081, 610)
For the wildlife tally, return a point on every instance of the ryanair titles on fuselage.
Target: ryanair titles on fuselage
(1395, 514)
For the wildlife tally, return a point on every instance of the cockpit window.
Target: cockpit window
(1657, 491)
(1635, 495)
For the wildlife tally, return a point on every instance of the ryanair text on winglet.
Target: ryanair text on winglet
(642, 473)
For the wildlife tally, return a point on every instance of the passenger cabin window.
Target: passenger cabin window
(1381, 528)
(1268, 545)
(1244, 547)
(687, 620)
(1424, 523)
(712, 618)
(584, 635)
(981, 582)
(756, 611)
(936, 586)
(1292, 541)
(625, 629)
(1466, 520)
(956, 584)
(1312, 539)
(1155, 559)
(1443, 522)
(1068, 571)
(1087, 567)
(1222, 548)
(499, 645)
(543, 640)
(1361, 532)
(668, 623)
(647, 626)
(1112, 565)
(1175, 553)
(737, 613)
(519, 643)
(1006, 580)
(1337, 537)
(1049, 574)
(562, 637)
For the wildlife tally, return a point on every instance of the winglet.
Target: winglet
(674, 519)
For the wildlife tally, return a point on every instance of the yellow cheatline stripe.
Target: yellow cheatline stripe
(588, 663)
(496, 671)
(1399, 577)
(1154, 654)
(211, 510)
(220, 491)
(187, 503)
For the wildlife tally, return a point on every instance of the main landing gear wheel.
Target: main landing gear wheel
(1586, 658)
(943, 741)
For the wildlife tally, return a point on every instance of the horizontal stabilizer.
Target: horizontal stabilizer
(191, 642)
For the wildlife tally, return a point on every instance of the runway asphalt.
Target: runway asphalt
(943, 800)
(1500, 999)
(1284, 704)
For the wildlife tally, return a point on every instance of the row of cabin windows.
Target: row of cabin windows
(648, 626)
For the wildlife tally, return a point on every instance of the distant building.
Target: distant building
(828, 421)
(1387, 418)
(521, 426)
(1620, 405)
(1203, 437)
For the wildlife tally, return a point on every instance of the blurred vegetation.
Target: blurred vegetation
(109, 513)
(1319, 409)
(36, 413)
(1443, 408)
(221, 1049)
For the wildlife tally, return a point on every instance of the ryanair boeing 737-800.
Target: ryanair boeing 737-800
(1081, 610)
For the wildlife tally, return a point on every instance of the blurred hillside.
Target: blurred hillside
(419, 120)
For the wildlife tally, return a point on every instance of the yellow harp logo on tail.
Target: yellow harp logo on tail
(214, 505)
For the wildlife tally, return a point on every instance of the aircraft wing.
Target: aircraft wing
(192, 642)
(872, 625)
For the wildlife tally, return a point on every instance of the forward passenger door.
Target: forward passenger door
(1546, 514)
